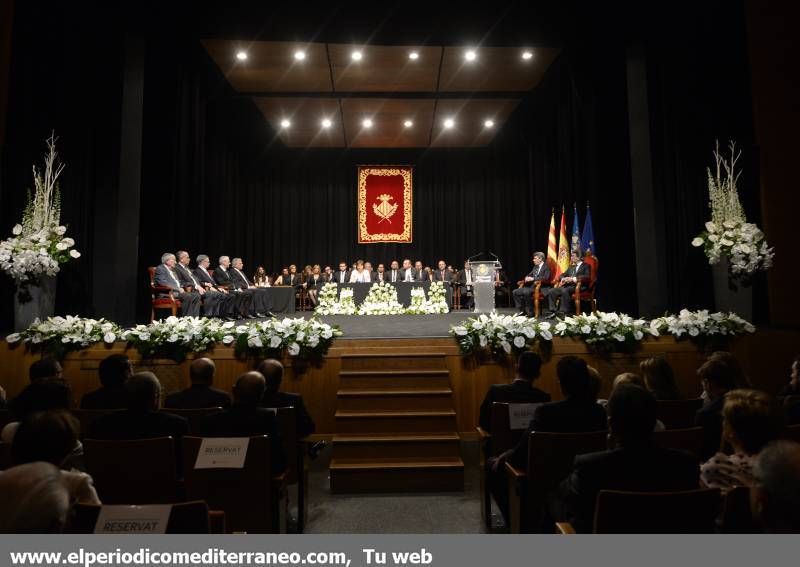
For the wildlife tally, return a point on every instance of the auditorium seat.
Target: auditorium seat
(184, 518)
(250, 501)
(678, 414)
(5, 455)
(296, 472)
(679, 512)
(736, 515)
(550, 460)
(193, 416)
(6, 417)
(140, 471)
(689, 439)
(157, 298)
(85, 418)
(792, 433)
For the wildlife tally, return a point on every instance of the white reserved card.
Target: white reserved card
(520, 415)
(222, 453)
(150, 519)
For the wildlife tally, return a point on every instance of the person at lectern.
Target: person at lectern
(523, 295)
(465, 282)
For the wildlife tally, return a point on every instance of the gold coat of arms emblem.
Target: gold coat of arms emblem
(384, 210)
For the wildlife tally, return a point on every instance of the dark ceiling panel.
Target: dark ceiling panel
(385, 68)
(388, 117)
(494, 69)
(306, 116)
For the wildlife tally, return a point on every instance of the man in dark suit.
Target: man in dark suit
(141, 418)
(166, 276)
(47, 390)
(342, 275)
(520, 391)
(272, 370)
(465, 281)
(578, 271)
(262, 300)
(223, 276)
(633, 462)
(407, 272)
(114, 372)
(717, 380)
(393, 274)
(245, 418)
(231, 304)
(423, 273)
(523, 296)
(381, 275)
(200, 394)
(443, 273)
(211, 299)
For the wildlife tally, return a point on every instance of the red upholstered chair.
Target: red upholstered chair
(586, 293)
(538, 296)
(158, 298)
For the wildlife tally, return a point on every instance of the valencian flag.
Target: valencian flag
(587, 242)
(552, 244)
(575, 242)
(563, 246)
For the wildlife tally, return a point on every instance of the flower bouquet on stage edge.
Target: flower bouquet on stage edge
(381, 300)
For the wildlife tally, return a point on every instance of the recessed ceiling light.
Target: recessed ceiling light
(408, 123)
(356, 56)
(326, 123)
(299, 55)
(488, 123)
(241, 55)
(413, 55)
(285, 123)
(470, 55)
(527, 55)
(449, 123)
(367, 123)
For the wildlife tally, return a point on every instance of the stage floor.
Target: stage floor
(394, 326)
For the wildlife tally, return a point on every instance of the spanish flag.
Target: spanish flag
(563, 246)
(552, 244)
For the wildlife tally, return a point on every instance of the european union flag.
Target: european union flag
(575, 241)
(587, 242)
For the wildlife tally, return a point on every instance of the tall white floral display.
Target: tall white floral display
(38, 246)
(736, 248)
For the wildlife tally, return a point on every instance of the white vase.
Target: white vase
(41, 303)
(731, 295)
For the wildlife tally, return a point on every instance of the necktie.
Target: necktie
(175, 279)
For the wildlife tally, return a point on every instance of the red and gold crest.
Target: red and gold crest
(384, 204)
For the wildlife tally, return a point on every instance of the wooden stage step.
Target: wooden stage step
(398, 379)
(396, 421)
(403, 475)
(412, 446)
(395, 399)
(396, 360)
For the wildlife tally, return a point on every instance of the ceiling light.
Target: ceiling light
(408, 123)
(488, 123)
(326, 123)
(285, 123)
(449, 123)
(470, 55)
(413, 55)
(527, 55)
(299, 55)
(367, 123)
(356, 56)
(241, 55)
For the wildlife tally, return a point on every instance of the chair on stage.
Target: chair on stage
(677, 512)
(193, 416)
(678, 414)
(550, 460)
(184, 518)
(689, 439)
(161, 297)
(538, 296)
(587, 293)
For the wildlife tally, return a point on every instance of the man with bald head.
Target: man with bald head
(200, 394)
(141, 418)
(246, 418)
(272, 370)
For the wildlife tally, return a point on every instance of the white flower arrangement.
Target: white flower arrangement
(728, 234)
(598, 328)
(500, 334)
(381, 300)
(333, 303)
(174, 337)
(61, 334)
(696, 324)
(38, 246)
(300, 337)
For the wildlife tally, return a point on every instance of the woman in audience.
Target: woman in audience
(260, 278)
(739, 376)
(630, 379)
(750, 420)
(659, 379)
(34, 499)
(793, 387)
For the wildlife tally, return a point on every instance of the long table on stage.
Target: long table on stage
(281, 299)
(360, 291)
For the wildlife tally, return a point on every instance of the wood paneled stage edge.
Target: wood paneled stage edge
(469, 380)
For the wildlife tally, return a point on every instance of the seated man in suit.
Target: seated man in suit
(369, 270)
(381, 275)
(578, 271)
(717, 379)
(520, 391)
(775, 499)
(47, 389)
(200, 394)
(166, 276)
(245, 418)
(211, 299)
(393, 275)
(141, 418)
(231, 304)
(465, 282)
(114, 371)
(272, 370)
(523, 296)
(407, 272)
(633, 462)
(223, 276)
(342, 275)
(443, 273)
(423, 273)
(262, 300)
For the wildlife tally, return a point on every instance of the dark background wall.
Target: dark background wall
(214, 179)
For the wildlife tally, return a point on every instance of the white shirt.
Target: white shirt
(342, 276)
(407, 275)
(469, 277)
(394, 275)
(359, 277)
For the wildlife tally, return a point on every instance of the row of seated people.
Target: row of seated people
(736, 424)
(559, 294)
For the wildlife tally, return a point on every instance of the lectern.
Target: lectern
(484, 274)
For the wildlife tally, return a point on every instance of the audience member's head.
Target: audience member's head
(775, 499)
(659, 378)
(34, 498)
(46, 395)
(628, 378)
(45, 436)
(272, 370)
(739, 377)
(595, 382)
(528, 366)
(717, 378)
(573, 376)
(115, 370)
(631, 415)
(143, 392)
(249, 389)
(750, 420)
(201, 372)
(45, 369)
